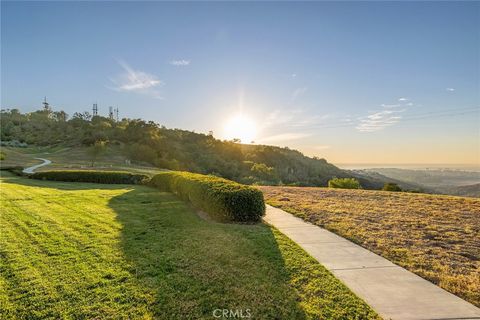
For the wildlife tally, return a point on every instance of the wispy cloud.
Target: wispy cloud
(284, 137)
(136, 81)
(180, 63)
(379, 120)
(298, 93)
(450, 89)
(294, 75)
(387, 116)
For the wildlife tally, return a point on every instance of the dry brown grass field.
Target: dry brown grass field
(434, 236)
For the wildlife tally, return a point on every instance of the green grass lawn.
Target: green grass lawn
(73, 158)
(92, 251)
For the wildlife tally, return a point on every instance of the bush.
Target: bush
(391, 187)
(13, 143)
(110, 177)
(344, 183)
(223, 199)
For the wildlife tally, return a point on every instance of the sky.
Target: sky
(352, 82)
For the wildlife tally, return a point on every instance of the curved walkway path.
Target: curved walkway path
(392, 291)
(33, 168)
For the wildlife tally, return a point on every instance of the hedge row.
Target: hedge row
(18, 170)
(223, 199)
(110, 177)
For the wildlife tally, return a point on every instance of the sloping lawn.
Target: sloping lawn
(92, 251)
(434, 236)
(72, 158)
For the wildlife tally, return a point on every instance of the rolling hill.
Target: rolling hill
(148, 143)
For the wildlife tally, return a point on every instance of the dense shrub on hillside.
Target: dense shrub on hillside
(223, 199)
(13, 143)
(110, 177)
(344, 183)
(391, 187)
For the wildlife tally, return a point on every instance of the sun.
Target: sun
(240, 127)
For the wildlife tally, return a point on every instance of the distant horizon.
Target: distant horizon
(343, 165)
(413, 166)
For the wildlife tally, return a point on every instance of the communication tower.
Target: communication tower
(46, 105)
(110, 113)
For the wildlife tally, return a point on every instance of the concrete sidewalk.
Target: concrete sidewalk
(392, 291)
(31, 169)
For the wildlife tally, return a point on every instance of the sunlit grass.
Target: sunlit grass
(73, 158)
(437, 237)
(92, 251)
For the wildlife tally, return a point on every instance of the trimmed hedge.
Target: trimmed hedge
(223, 199)
(18, 170)
(109, 177)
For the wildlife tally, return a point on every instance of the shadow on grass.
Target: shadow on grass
(185, 267)
(195, 267)
(162, 261)
(8, 177)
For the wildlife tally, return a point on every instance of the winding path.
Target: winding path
(31, 169)
(389, 289)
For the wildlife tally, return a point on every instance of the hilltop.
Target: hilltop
(148, 143)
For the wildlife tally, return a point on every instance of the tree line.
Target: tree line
(176, 149)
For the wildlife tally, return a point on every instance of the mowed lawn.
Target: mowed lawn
(92, 251)
(437, 237)
(75, 158)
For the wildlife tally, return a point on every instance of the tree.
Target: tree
(264, 173)
(344, 183)
(96, 150)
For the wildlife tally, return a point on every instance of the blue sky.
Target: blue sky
(368, 82)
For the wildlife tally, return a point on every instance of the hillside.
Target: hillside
(148, 143)
(446, 181)
(434, 236)
(377, 179)
(472, 190)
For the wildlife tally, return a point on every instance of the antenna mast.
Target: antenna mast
(110, 113)
(46, 105)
